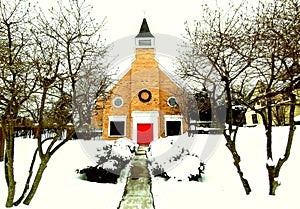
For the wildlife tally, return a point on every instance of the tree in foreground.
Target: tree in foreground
(242, 51)
(277, 66)
(17, 80)
(42, 60)
(216, 51)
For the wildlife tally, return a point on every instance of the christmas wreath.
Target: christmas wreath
(145, 95)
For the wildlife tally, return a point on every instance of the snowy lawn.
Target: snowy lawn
(221, 188)
(60, 186)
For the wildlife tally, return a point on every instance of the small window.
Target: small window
(172, 102)
(173, 128)
(144, 42)
(173, 125)
(117, 128)
(118, 102)
(254, 119)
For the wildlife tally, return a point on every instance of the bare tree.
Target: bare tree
(78, 36)
(53, 104)
(277, 65)
(39, 74)
(17, 82)
(73, 42)
(92, 83)
(218, 54)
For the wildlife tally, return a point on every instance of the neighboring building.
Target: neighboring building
(252, 118)
(280, 110)
(145, 104)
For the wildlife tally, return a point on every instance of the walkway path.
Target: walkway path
(137, 193)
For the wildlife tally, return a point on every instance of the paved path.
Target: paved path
(137, 193)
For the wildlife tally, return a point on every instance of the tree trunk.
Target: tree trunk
(274, 171)
(230, 138)
(231, 146)
(27, 184)
(229, 115)
(37, 180)
(273, 183)
(8, 134)
(269, 129)
(2, 144)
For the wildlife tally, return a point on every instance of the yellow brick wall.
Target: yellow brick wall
(144, 74)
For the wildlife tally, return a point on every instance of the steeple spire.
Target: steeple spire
(144, 30)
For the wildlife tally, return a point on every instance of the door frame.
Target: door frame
(144, 117)
(140, 124)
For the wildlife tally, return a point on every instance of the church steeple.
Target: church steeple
(144, 30)
(144, 39)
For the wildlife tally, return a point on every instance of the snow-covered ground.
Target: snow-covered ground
(221, 188)
(60, 186)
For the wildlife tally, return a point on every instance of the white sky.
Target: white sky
(124, 18)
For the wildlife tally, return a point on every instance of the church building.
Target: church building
(145, 104)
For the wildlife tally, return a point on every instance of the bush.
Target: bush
(158, 171)
(198, 176)
(112, 159)
(98, 174)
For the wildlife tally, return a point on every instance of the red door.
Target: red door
(144, 133)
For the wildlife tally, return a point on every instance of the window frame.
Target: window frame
(254, 118)
(116, 119)
(116, 99)
(168, 101)
(174, 118)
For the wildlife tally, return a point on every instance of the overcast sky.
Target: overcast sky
(163, 16)
(124, 18)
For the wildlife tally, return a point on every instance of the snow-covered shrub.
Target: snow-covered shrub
(176, 157)
(115, 156)
(198, 176)
(157, 170)
(112, 158)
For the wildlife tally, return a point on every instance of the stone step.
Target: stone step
(143, 147)
(141, 150)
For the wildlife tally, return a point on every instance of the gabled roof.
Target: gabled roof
(144, 30)
(259, 84)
